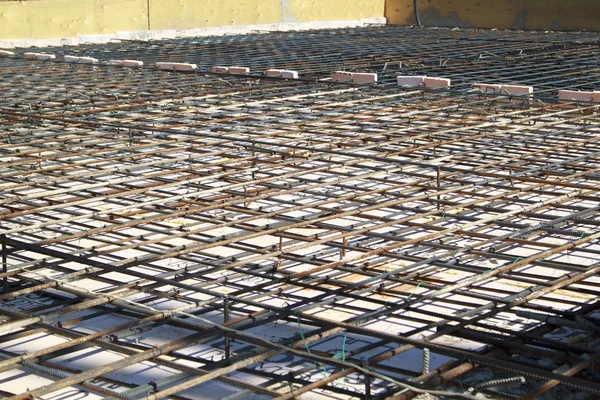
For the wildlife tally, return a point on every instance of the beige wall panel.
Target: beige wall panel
(185, 14)
(50, 19)
(330, 10)
(46, 19)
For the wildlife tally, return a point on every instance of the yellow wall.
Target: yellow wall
(510, 14)
(48, 19)
(184, 14)
(69, 18)
(333, 10)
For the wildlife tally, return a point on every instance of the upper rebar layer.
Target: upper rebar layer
(200, 235)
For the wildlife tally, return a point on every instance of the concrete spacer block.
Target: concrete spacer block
(276, 73)
(239, 70)
(88, 60)
(289, 74)
(341, 76)
(184, 67)
(39, 56)
(360, 77)
(411, 81)
(164, 65)
(133, 63)
(219, 69)
(487, 87)
(575, 95)
(176, 66)
(516, 90)
(45, 56)
(71, 59)
(436, 82)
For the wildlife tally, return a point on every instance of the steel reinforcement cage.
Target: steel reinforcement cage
(208, 235)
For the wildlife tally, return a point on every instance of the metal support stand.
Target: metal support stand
(438, 181)
(4, 264)
(365, 364)
(227, 343)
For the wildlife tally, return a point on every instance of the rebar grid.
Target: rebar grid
(162, 231)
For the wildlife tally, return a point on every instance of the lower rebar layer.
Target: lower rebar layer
(198, 235)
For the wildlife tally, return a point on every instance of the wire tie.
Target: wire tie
(414, 290)
(302, 334)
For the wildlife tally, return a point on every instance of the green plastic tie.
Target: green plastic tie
(344, 349)
(302, 334)
(414, 290)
